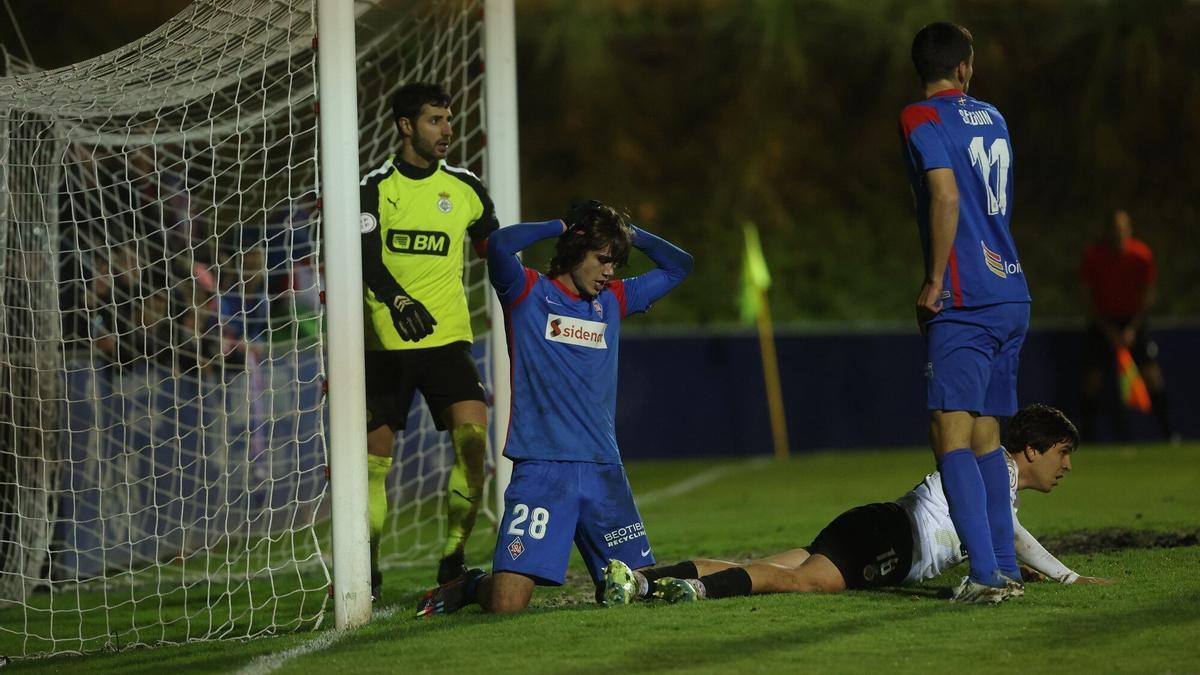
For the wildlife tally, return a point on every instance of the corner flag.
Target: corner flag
(1133, 388)
(756, 279)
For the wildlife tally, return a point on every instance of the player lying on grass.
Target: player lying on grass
(877, 545)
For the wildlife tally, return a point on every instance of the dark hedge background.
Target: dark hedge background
(697, 115)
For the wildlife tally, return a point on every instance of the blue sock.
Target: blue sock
(994, 471)
(964, 490)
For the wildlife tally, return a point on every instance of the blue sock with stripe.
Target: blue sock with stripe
(965, 492)
(994, 471)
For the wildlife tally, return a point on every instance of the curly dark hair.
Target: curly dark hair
(591, 226)
(1040, 427)
(409, 99)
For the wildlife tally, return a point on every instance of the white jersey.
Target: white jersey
(936, 546)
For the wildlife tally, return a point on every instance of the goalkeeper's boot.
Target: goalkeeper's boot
(620, 584)
(970, 591)
(451, 567)
(451, 596)
(376, 585)
(376, 575)
(678, 590)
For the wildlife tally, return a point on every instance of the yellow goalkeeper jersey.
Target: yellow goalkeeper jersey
(414, 225)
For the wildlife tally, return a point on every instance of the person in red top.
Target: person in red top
(1118, 275)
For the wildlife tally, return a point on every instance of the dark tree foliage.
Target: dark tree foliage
(699, 115)
(696, 115)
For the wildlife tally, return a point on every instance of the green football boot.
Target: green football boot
(678, 590)
(620, 584)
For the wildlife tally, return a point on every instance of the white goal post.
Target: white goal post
(166, 336)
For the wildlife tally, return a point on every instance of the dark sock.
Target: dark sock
(994, 471)
(1161, 405)
(727, 583)
(680, 570)
(965, 493)
(471, 592)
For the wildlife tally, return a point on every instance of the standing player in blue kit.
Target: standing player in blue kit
(568, 484)
(973, 306)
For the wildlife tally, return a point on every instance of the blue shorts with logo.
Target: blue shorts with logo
(972, 358)
(550, 505)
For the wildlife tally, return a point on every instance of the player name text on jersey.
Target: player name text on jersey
(975, 117)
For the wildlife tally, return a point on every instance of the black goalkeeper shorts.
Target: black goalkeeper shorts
(870, 545)
(444, 375)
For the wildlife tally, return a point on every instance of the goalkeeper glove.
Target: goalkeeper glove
(413, 322)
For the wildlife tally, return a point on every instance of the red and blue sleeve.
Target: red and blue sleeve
(673, 266)
(919, 122)
(508, 276)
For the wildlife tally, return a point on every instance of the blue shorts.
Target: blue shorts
(550, 505)
(972, 358)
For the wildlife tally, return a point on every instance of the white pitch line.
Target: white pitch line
(264, 665)
(696, 480)
(272, 662)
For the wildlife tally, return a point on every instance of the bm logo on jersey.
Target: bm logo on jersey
(573, 331)
(418, 242)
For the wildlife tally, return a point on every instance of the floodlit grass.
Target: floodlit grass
(1148, 622)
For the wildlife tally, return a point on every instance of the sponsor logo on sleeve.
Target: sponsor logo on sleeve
(573, 331)
(367, 222)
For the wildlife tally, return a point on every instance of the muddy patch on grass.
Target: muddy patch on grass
(1116, 539)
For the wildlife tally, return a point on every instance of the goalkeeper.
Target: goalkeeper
(884, 544)
(416, 213)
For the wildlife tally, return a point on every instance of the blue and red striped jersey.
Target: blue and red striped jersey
(563, 347)
(951, 130)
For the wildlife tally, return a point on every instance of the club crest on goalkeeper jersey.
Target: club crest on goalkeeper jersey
(951, 130)
(414, 224)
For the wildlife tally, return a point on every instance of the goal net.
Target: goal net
(162, 408)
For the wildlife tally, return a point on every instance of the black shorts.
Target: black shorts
(870, 545)
(444, 375)
(1099, 349)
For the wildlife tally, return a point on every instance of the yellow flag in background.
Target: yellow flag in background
(756, 278)
(755, 282)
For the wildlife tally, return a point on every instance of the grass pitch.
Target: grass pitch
(1129, 512)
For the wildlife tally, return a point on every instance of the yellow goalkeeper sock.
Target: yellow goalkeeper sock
(377, 471)
(466, 484)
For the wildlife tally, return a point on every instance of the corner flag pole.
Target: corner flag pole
(766, 345)
(756, 279)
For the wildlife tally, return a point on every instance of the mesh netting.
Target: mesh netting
(162, 416)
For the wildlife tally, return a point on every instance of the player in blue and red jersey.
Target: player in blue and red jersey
(568, 484)
(973, 306)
